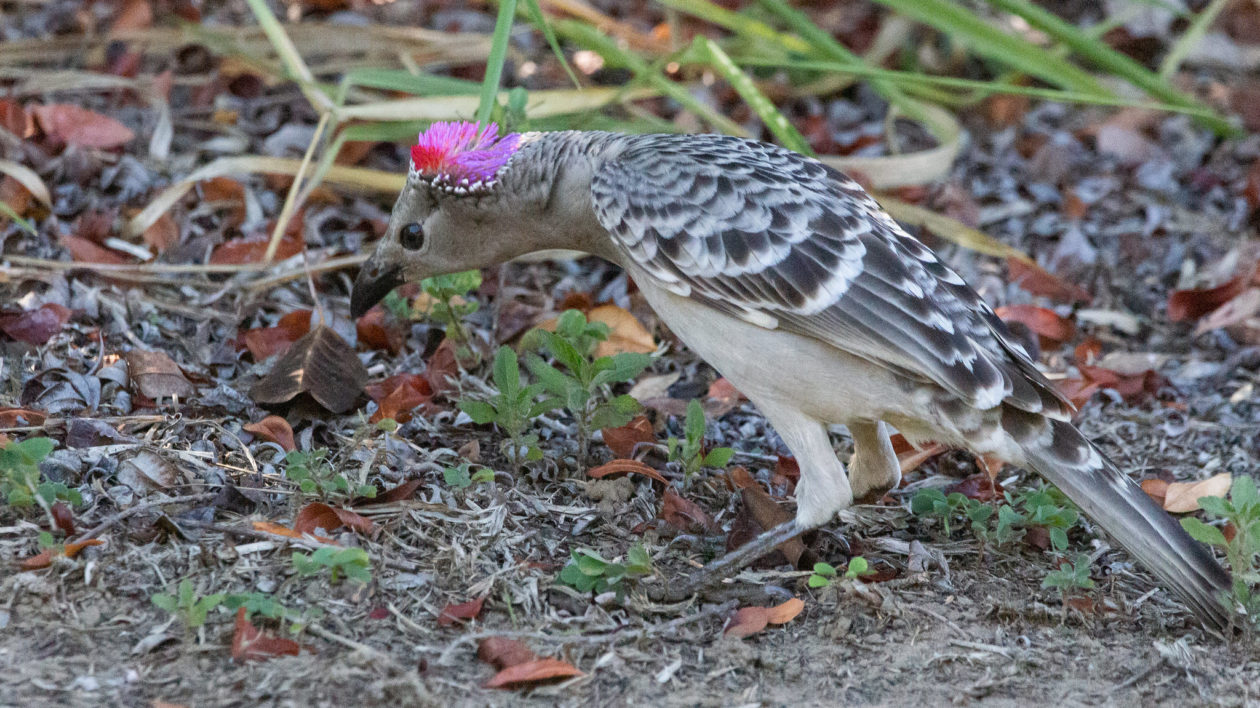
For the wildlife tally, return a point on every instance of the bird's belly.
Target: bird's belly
(813, 376)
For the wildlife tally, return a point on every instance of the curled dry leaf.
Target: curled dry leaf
(35, 326)
(532, 673)
(322, 364)
(766, 513)
(626, 333)
(1156, 489)
(377, 331)
(460, 613)
(627, 467)
(84, 250)
(501, 652)
(264, 342)
(442, 369)
(1183, 497)
(317, 515)
(1237, 310)
(1052, 329)
(252, 644)
(1034, 279)
(911, 457)
(73, 125)
(980, 487)
(162, 234)
(400, 493)
(624, 441)
(682, 513)
(723, 391)
(44, 558)
(242, 251)
(748, 621)
(20, 417)
(282, 530)
(398, 395)
(1193, 303)
(274, 429)
(156, 376)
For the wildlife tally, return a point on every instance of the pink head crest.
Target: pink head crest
(467, 155)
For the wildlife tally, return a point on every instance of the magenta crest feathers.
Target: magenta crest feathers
(462, 156)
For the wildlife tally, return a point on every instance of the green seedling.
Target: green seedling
(449, 304)
(314, 474)
(348, 562)
(825, 573)
(580, 387)
(21, 483)
(513, 408)
(257, 603)
(588, 572)
(187, 604)
(689, 451)
(1241, 513)
(1071, 576)
(459, 477)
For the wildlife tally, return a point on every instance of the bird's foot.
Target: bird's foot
(731, 563)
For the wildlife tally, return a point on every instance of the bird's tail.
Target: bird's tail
(1059, 452)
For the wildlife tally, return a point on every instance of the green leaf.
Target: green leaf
(1058, 538)
(1205, 533)
(1243, 494)
(165, 602)
(485, 474)
(33, 450)
(507, 373)
(693, 427)
(818, 581)
(857, 567)
(457, 477)
(480, 411)
(718, 457)
(825, 569)
(589, 563)
(608, 415)
(1216, 506)
(498, 55)
(925, 500)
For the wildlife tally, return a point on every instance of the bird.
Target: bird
(790, 280)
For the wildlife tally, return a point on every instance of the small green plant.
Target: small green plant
(933, 503)
(257, 603)
(449, 303)
(1045, 507)
(579, 388)
(1069, 577)
(513, 408)
(587, 571)
(314, 474)
(22, 485)
(689, 451)
(1241, 511)
(348, 562)
(187, 604)
(459, 477)
(825, 573)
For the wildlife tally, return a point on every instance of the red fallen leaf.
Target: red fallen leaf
(879, 572)
(43, 559)
(225, 190)
(18, 417)
(274, 429)
(457, 614)
(265, 342)
(240, 251)
(1083, 605)
(910, 457)
(533, 672)
(738, 477)
(748, 621)
(978, 486)
(379, 332)
(683, 514)
(378, 613)
(627, 467)
(63, 517)
(317, 515)
(281, 530)
(252, 644)
(400, 493)
(724, 391)
(84, 251)
(501, 652)
(786, 475)
(1156, 489)
(442, 370)
(1235, 311)
(1077, 391)
(397, 396)
(1034, 279)
(1052, 329)
(15, 119)
(624, 441)
(1088, 351)
(74, 125)
(35, 326)
(162, 234)
(1193, 303)
(17, 196)
(1131, 387)
(1038, 537)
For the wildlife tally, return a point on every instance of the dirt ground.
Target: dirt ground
(174, 488)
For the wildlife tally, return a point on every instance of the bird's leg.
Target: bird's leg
(822, 491)
(873, 469)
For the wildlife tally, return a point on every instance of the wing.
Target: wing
(784, 241)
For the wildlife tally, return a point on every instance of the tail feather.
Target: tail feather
(1072, 463)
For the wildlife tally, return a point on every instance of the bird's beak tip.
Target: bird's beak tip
(372, 284)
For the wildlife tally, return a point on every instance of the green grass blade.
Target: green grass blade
(7, 211)
(288, 54)
(498, 55)
(776, 122)
(990, 42)
(1193, 35)
(407, 82)
(1103, 56)
(739, 24)
(549, 33)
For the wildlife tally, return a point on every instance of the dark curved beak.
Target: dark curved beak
(374, 282)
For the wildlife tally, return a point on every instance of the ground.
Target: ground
(1128, 206)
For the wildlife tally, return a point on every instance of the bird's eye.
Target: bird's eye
(411, 236)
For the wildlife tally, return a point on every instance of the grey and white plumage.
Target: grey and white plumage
(788, 278)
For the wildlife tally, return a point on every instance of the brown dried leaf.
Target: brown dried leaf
(274, 429)
(980, 487)
(252, 644)
(628, 467)
(442, 369)
(1193, 303)
(533, 672)
(83, 250)
(1052, 329)
(156, 375)
(786, 612)
(241, 251)
(317, 515)
(398, 395)
(35, 326)
(625, 440)
(377, 331)
(1183, 497)
(747, 621)
(265, 342)
(1238, 309)
(501, 652)
(626, 334)
(162, 234)
(17, 417)
(321, 364)
(1156, 489)
(458, 614)
(74, 125)
(1036, 280)
(767, 513)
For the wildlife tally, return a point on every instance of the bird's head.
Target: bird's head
(449, 216)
